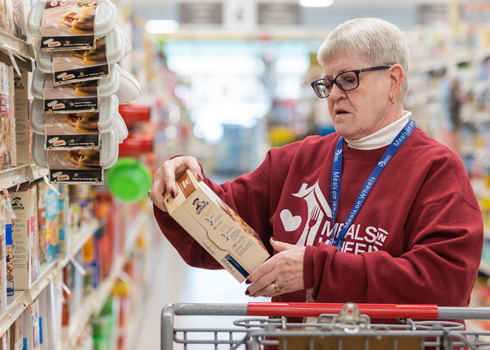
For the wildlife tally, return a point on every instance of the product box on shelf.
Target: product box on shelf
(53, 246)
(20, 19)
(9, 253)
(25, 238)
(73, 279)
(5, 143)
(31, 326)
(23, 141)
(64, 215)
(48, 328)
(3, 262)
(17, 333)
(5, 341)
(12, 128)
(9, 17)
(42, 191)
(2, 16)
(214, 225)
(89, 261)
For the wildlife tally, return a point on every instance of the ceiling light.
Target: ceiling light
(316, 3)
(160, 26)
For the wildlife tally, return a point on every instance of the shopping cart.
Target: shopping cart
(329, 326)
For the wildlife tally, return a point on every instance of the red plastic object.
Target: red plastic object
(412, 311)
(136, 144)
(134, 113)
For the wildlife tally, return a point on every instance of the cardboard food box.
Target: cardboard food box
(17, 333)
(212, 223)
(351, 342)
(25, 238)
(22, 137)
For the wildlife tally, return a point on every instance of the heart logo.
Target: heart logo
(290, 222)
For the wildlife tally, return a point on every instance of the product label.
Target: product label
(186, 185)
(68, 176)
(228, 258)
(74, 97)
(72, 141)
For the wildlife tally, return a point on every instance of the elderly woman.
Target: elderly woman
(377, 212)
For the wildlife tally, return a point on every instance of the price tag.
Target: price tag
(11, 315)
(14, 62)
(79, 267)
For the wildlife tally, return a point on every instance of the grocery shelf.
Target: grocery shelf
(92, 305)
(17, 175)
(21, 50)
(22, 299)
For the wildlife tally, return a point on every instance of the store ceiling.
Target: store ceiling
(406, 14)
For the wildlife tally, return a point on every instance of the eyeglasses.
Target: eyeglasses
(345, 81)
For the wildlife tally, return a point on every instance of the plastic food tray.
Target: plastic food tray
(107, 86)
(105, 18)
(117, 47)
(109, 150)
(129, 89)
(108, 115)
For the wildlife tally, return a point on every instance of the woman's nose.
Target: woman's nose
(336, 92)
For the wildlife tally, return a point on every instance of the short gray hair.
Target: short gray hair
(374, 39)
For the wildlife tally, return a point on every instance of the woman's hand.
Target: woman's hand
(165, 176)
(282, 273)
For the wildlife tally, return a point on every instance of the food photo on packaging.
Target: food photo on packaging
(80, 65)
(68, 24)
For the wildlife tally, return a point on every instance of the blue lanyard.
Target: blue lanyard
(368, 185)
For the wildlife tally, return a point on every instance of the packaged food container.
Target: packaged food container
(129, 89)
(109, 150)
(105, 18)
(108, 115)
(117, 47)
(106, 86)
(122, 129)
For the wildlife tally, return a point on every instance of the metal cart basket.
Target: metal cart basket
(329, 326)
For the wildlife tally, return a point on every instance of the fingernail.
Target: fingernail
(273, 238)
(200, 177)
(247, 292)
(172, 193)
(247, 282)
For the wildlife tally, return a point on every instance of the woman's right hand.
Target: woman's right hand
(165, 176)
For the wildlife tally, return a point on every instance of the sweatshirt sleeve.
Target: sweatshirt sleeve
(443, 238)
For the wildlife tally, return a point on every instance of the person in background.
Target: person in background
(377, 212)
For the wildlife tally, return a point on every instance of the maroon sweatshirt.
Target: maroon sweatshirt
(418, 238)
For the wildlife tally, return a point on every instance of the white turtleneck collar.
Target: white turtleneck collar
(381, 138)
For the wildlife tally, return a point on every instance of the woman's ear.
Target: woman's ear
(397, 76)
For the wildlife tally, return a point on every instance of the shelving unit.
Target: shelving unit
(93, 304)
(19, 302)
(14, 48)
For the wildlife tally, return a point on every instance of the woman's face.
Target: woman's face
(361, 112)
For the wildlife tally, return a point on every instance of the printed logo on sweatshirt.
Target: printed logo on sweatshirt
(317, 227)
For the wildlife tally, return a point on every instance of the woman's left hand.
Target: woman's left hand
(282, 273)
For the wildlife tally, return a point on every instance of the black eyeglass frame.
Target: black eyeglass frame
(356, 71)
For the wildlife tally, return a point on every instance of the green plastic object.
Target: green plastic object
(129, 180)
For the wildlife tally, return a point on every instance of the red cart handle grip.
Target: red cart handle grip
(412, 311)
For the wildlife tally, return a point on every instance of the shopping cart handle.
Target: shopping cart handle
(412, 311)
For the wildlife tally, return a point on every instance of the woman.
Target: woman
(377, 212)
